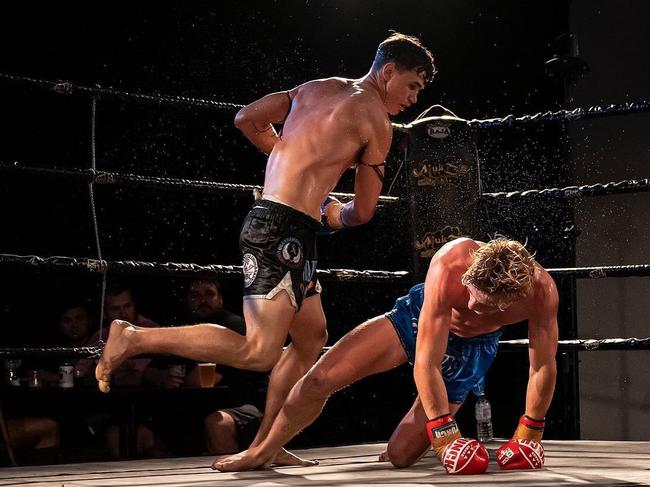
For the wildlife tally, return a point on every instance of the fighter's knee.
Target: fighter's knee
(312, 340)
(261, 359)
(322, 335)
(400, 457)
(317, 340)
(317, 382)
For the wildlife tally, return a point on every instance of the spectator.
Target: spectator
(120, 305)
(232, 429)
(226, 430)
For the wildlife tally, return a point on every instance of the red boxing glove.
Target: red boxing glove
(520, 455)
(462, 456)
(465, 456)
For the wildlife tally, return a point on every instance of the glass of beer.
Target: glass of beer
(207, 374)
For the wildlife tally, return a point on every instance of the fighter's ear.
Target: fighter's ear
(388, 70)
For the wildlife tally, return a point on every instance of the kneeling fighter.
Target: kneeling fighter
(448, 328)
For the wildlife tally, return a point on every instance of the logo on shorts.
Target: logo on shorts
(249, 268)
(289, 252)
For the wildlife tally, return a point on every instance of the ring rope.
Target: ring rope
(599, 272)
(586, 345)
(136, 180)
(596, 111)
(175, 268)
(598, 189)
(79, 352)
(216, 270)
(66, 88)
(93, 208)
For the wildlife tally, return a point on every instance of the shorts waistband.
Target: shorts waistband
(488, 337)
(275, 208)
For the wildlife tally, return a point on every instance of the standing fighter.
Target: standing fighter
(328, 126)
(448, 328)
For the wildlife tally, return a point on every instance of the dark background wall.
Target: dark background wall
(613, 230)
(490, 55)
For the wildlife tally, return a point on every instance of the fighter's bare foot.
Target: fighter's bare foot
(250, 459)
(383, 457)
(285, 458)
(118, 348)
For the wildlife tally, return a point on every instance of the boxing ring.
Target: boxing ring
(568, 462)
(601, 463)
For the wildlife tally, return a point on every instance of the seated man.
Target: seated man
(227, 430)
(232, 429)
(26, 434)
(449, 329)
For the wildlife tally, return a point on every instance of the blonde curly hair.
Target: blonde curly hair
(502, 268)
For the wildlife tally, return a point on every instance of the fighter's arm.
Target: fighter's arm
(368, 179)
(543, 337)
(524, 450)
(433, 334)
(255, 120)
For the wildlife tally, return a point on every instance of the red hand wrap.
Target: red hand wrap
(529, 429)
(442, 431)
(536, 424)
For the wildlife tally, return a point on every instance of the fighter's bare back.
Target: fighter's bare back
(333, 124)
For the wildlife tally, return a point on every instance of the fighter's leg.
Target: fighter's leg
(308, 332)
(409, 442)
(267, 324)
(370, 348)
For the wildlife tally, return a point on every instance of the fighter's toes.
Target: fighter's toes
(285, 458)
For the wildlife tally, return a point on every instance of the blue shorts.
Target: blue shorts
(466, 360)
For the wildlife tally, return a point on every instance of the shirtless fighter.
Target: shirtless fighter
(328, 126)
(448, 328)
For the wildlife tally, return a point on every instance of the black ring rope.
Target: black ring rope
(585, 345)
(598, 272)
(66, 88)
(596, 111)
(598, 189)
(588, 345)
(68, 352)
(216, 270)
(136, 180)
(62, 263)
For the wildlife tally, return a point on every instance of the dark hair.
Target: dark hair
(206, 280)
(116, 288)
(407, 52)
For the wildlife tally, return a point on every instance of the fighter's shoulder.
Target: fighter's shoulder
(452, 258)
(329, 84)
(545, 294)
(457, 249)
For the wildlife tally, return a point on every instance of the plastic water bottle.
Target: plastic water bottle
(483, 413)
